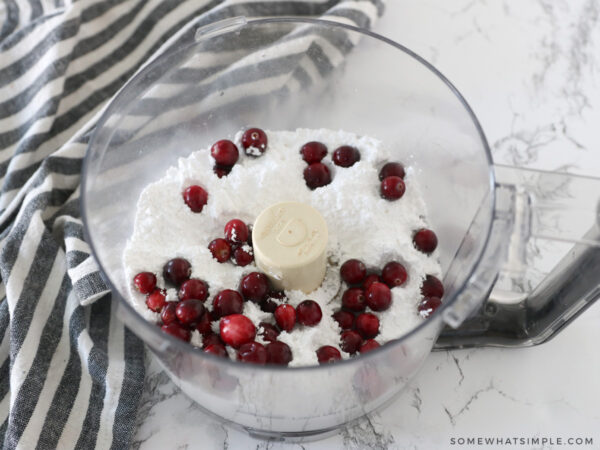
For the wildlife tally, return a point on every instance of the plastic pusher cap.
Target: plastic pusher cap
(290, 242)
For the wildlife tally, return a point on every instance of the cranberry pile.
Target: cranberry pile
(392, 181)
(367, 292)
(188, 312)
(317, 174)
(372, 291)
(359, 327)
(226, 154)
(237, 244)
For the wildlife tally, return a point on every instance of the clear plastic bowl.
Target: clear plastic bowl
(283, 74)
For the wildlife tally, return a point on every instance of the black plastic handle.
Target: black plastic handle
(571, 287)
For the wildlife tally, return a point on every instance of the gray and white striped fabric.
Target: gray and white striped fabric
(70, 373)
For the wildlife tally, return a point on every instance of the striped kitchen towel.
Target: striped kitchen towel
(71, 374)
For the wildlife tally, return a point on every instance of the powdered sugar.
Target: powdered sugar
(360, 223)
(253, 151)
(172, 295)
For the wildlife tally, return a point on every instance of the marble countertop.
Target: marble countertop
(531, 72)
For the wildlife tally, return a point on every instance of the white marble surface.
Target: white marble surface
(531, 72)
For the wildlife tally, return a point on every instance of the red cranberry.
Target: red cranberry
(392, 188)
(351, 341)
(252, 352)
(367, 325)
(345, 156)
(317, 175)
(309, 313)
(369, 345)
(177, 271)
(279, 353)
(236, 232)
(344, 319)
(313, 152)
(268, 332)
(432, 287)
(254, 286)
(285, 316)
(394, 274)
(327, 354)
(392, 169)
(211, 339)
(354, 300)
(353, 271)
(379, 297)
(279, 295)
(227, 302)
(428, 305)
(242, 257)
(168, 314)
(221, 171)
(156, 300)
(195, 197)
(217, 350)
(189, 311)
(374, 278)
(220, 249)
(203, 325)
(269, 304)
(193, 288)
(254, 138)
(225, 153)
(145, 282)
(425, 240)
(236, 330)
(177, 330)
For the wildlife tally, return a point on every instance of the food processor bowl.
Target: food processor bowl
(283, 74)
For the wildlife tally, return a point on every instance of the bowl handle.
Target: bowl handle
(540, 216)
